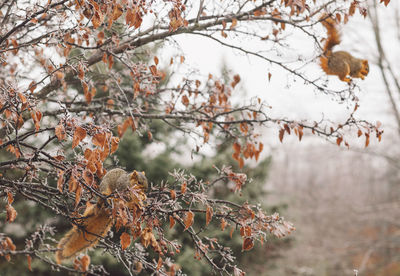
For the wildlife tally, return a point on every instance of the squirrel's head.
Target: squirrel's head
(365, 67)
(139, 179)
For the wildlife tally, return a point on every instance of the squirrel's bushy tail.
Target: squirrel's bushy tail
(332, 40)
(96, 224)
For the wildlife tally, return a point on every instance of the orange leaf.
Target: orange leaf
(183, 187)
(241, 162)
(99, 139)
(231, 232)
(22, 98)
(281, 134)
(359, 133)
(104, 58)
(100, 35)
(129, 18)
(20, 121)
(88, 177)
(247, 244)
(122, 128)
(87, 94)
(153, 70)
(110, 61)
(366, 139)
(189, 219)
(223, 224)
(125, 240)
(114, 144)
(223, 24)
(10, 198)
(300, 133)
(236, 156)
(32, 86)
(245, 231)
(156, 60)
(339, 140)
(185, 100)
(11, 214)
(97, 20)
(171, 222)
(39, 115)
(60, 132)
(91, 166)
(209, 214)
(287, 128)
(173, 194)
(29, 259)
(79, 135)
(159, 263)
(81, 72)
(117, 12)
(236, 147)
(88, 153)
(352, 8)
(110, 103)
(14, 150)
(234, 23)
(10, 244)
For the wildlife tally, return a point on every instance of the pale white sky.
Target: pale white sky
(299, 101)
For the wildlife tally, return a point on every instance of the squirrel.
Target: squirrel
(340, 63)
(97, 219)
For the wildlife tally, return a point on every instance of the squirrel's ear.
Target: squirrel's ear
(143, 173)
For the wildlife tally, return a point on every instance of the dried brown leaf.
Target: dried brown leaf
(209, 214)
(247, 244)
(189, 219)
(125, 240)
(11, 213)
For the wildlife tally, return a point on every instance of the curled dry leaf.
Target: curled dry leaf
(125, 240)
(99, 139)
(209, 214)
(281, 134)
(184, 187)
(29, 259)
(10, 198)
(114, 144)
(11, 213)
(10, 245)
(223, 224)
(173, 194)
(234, 23)
(79, 135)
(171, 222)
(247, 244)
(60, 132)
(78, 193)
(189, 219)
